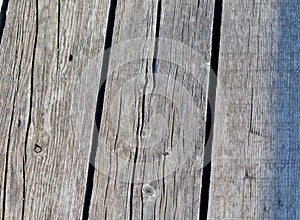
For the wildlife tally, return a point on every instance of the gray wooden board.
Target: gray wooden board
(150, 146)
(48, 103)
(255, 164)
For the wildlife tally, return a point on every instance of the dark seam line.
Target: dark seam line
(3, 17)
(155, 61)
(58, 33)
(215, 51)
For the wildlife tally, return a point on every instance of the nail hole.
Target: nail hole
(37, 149)
(70, 58)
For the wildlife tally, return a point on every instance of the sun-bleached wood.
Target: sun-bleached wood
(255, 164)
(148, 165)
(150, 147)
(48, 101)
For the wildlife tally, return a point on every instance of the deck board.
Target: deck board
(48, 104)
(104, 109)
(256, 141)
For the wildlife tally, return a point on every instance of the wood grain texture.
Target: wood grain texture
(111, 197)
(150, 146)
(48, 101)
(151, 140)
(255, 163)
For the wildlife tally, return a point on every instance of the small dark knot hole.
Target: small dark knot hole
(70, 58)
(37, 149)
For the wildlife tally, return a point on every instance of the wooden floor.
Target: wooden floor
(153, 109)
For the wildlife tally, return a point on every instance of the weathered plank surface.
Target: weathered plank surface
(255, 165)
(150, 147)
(48, 103)
(151, 140)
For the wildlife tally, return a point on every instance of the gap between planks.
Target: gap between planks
(3, 6)
(210, 111)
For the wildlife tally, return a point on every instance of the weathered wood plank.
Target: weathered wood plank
(111, 198)
(255, 162)
(48, 103)
(13, 82)
(151, 139)
(184, 109)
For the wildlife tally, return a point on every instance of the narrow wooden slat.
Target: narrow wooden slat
(255, 164)
(184, 108)
(150, 146)
(111, 198)
(50, 74)
(15, 104)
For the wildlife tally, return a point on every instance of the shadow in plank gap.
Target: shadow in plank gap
(3, 6)
(210, 112)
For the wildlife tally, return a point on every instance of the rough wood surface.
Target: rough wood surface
(151, 140)
(48, 103)
(255, 164)
(148, 154)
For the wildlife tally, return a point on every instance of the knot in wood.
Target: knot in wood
(146, 133)
(148, 190)
(37, 148)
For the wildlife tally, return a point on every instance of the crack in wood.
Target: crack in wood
(140, 131)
